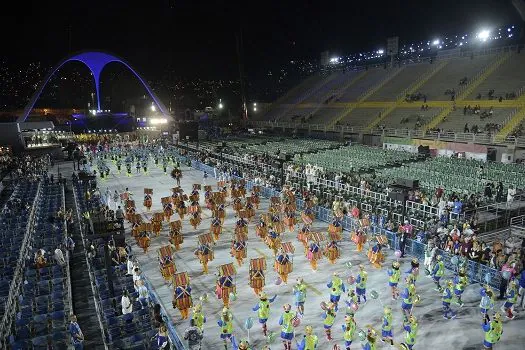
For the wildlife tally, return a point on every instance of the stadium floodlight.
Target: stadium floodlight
(255, 109)
(381, 51)
(255, 104)
(435, 42)
(153, 108)
(483, 35)
(334, 60)
(155, 121)
(220, 105)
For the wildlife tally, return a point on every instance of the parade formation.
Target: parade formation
(230, 258)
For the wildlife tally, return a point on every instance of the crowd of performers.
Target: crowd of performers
(272, 228)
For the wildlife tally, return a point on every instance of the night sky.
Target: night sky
(197, 38)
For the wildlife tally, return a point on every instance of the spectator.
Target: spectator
(193, 335)
(162, 338)
(156, 316)
(77, 337)
(126, 303)
(119, 215)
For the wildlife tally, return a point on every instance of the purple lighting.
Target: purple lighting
(95, 61)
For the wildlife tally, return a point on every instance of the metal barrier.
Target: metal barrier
(476, 272)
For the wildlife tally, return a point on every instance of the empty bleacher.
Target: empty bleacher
(330, 88)
(360, 116)
(508, 78)
(373, 77)
(393, 88)
(452, 73)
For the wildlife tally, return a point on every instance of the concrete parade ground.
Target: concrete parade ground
(435, 332)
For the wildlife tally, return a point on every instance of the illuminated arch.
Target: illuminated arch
(95, 61)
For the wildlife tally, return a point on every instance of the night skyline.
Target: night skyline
(197, 38)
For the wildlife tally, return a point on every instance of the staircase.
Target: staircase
(408, 91)
(83, 300)
(307, 94)
(509, 127)
(462, 94)
(364, 96)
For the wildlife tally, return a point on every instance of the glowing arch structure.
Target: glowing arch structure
(95, 61)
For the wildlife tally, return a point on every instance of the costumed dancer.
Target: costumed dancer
(168, 210)
(414, 269)
(349, 330)
(242, 345)
(205, 254)
(410, 326)
(198, 317)
(273, 240)
(299, 291)
(460, 283)
(386, 327)
(263, 310)
(290, 221)
(370, 340)
(375, 256)
(437, 272)
(261, 229)
(310, 340)
(409, 296)
(226, 324)
(512, 298)
(277, 224)
(225, 286)
(183, 301)
(493, 330)
(195, 219)
(335, 226)
(360, 239)
(176, 238)
(250, 211)
(144, 239)
(255, 199)
(487, 299)
(332, 252)
(393, 280)
(314, 254)
(241, 228)
(216, 227)
(181, 208)
(446, 298)
(283, 265)
(238, 250)
(337, 287)
(302, 236)
(147, 201)
(360, 286)
(329, 319)
(286, 322)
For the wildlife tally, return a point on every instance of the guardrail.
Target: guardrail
(14, 288)
(477, 272)
(68, 257)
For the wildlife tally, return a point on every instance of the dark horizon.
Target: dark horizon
(198, 38)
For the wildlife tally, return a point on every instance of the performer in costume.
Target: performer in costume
(168, 210)
(183, 301)
(283, 265)
(329, 319)
(226, 324)
(349, 330)
(360, 287)
(414, 269)
(250, 211)
(487, 299)
(238, 250)
(386, 328)
(393, 280)
(299, 291)
(176, 238)
(446, 298)
(273, 240)
(216, 228)
(332, 252)
(337, 287)
(493, 330)
(437, 272)
(335, 226)
(371, 339)
(255, 199)
(40, 260)
(147, 201)
(277, 224)
(261, 229)
(460, 282)
(287, 331)
(144, 240)
(408, 295)
(181, 209)
(314, 254)
(225, 286)
(205, 254)
(198, 317)
(375, 255)
(290, 220)
(241, 227)
(263, 310)
(302, 236)
(310, 340)
(410, 326)
(360, 239)
(512, 298)
(195, 219)
(243, 345)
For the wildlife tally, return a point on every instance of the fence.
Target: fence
(476, 272)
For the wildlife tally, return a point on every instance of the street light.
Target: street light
(153, 107)
(220, 103)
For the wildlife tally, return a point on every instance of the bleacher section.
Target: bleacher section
(456, 120)
(401, 118)
(360, 116)
(508, 78)
(373, 77)
(391, 90)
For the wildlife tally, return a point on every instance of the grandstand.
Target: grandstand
(379, 97)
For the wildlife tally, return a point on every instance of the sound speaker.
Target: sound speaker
(491, 154)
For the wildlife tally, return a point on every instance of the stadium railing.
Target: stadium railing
(476, 272)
